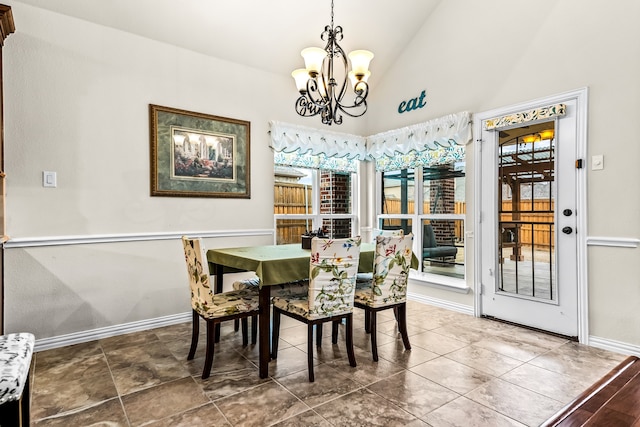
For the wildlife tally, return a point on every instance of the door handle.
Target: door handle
(567, 230)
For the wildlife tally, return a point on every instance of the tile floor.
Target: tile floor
(461, 371)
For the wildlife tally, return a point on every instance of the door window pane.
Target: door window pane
(527, 211)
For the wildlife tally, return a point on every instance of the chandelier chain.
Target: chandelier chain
(321, 93)
(331, 14)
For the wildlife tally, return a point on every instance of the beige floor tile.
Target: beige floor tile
(484, 360)
(56, 394)
(436, 343)
(396, 353)
(328, 385)
(107, 413)
(511, 347)
(465, 412)
(290, 360)
(263, 405)
(557, 386)
(306, 419)
(515, 402)
(452, 375)
(579, 360)
(413, 393)
(365, 408)
(228, 383)
(207, 415)
(67, 355)
(367, 371)
(163, 401)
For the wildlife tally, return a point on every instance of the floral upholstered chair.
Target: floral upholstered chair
(283, 290)
(388, 288)
(213, 308)
(363, 280)
(332, 277)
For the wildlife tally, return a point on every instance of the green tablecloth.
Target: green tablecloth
(278, 264)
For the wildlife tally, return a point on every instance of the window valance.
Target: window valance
(288, 138)
(551, 111)
(438, 141)
(447, 131)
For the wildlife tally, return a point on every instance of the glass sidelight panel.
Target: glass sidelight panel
(526, 189)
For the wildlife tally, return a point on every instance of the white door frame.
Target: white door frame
(581, 97)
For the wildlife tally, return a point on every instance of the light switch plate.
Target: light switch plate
(597, 162)
(49, 179)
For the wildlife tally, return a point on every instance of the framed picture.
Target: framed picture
(198, 155)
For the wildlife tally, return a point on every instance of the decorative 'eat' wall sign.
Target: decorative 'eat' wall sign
(413, 104)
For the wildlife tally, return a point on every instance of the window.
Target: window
(430, 202)
(315, 181)
(308, 199)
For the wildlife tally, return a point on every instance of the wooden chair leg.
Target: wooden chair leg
(319, 334)
(10, 413)
(310, 348)
(275, 333)
(374, 340)
(245, 331)
(211, 342)
(217, 328)
(195, 331)
(402, 326)
(254, 329)
(334, 331)
(349, 336)
(367, 322)
(26, 403)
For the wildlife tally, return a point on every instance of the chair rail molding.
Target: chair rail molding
(616, 242)
(25, 242)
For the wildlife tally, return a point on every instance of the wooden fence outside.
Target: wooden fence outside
(292, 198)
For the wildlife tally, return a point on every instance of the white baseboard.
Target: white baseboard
(615, 346)
(460, 308)
(110, 331)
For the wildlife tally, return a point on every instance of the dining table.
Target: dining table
(274, 265)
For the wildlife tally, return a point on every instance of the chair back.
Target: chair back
(428, 237)
(391, 269)
(332, 274)
(386, 233)
(198, 272)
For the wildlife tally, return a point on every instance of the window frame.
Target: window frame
(417, 218)
(315, 216)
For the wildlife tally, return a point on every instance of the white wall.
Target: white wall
(477, 56)
(76, 102)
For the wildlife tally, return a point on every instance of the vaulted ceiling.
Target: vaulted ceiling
(265, 34)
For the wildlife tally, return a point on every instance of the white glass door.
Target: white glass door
(528, 226)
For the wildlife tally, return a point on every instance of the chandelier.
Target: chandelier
(322, 87)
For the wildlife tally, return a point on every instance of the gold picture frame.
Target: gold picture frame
(198, 155)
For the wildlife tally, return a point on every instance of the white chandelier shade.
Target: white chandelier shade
(324, 81)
